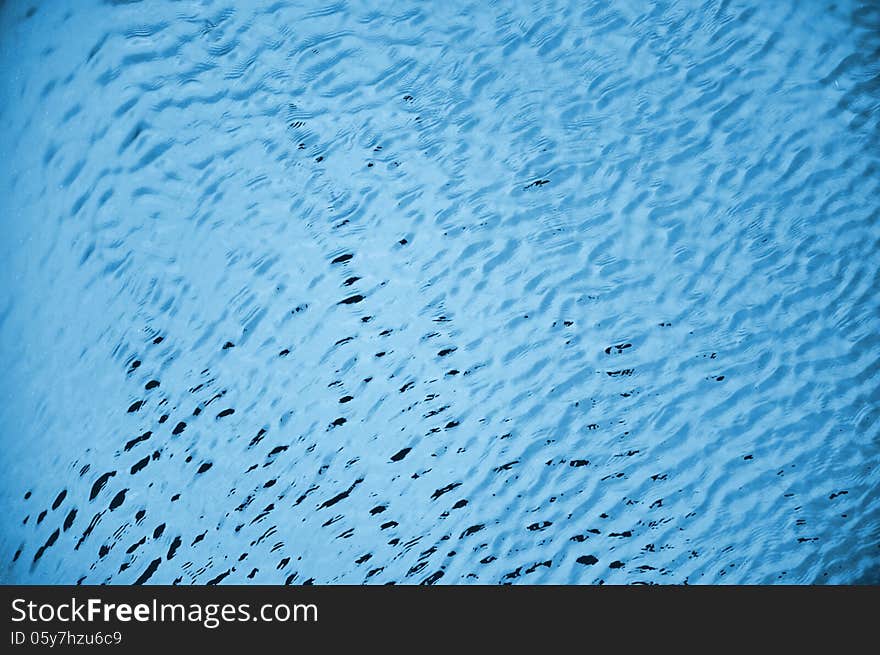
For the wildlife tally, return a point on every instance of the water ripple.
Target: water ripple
(526, 293)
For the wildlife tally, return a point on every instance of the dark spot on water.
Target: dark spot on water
(69, 519)
(59, 499)
(99, 484)
(400, 454)
(118, 499)
(537, 183)
(149, 571)
(439, 492)
(49, 542)
(472, 530)
(431, 579)
(340, 496)
(132, 443)
(139, 466)
(172, 549)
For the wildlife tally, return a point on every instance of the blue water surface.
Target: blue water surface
(454, 292)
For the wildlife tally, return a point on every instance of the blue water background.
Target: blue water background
(608, 270)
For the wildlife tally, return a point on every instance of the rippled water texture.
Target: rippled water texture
(569, 292)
